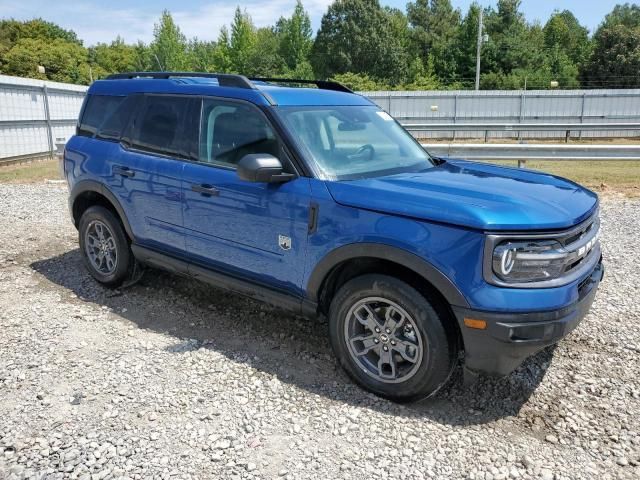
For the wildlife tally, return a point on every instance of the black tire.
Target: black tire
(125, 260)
(438, 350)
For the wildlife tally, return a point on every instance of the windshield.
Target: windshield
(350, 142)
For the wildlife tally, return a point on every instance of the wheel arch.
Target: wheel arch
(87, 193)
(319, 285)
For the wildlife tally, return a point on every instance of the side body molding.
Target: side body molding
(92, 186)
(384, 252)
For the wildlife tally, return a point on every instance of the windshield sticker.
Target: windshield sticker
(385, 116)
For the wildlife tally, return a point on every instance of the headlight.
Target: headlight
(541, 260)
(529, 261)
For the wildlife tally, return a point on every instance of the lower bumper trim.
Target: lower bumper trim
(512, 337)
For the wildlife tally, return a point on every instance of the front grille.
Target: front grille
(575, 234)
(581, 242)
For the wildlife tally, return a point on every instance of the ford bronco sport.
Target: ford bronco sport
(311, 197)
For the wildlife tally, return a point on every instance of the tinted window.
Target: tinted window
(230, 131)
(114, 124)
(159, 125)
(97, 109)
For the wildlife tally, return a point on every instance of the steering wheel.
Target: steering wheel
(364, 148)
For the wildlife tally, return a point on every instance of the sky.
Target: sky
(101, 21)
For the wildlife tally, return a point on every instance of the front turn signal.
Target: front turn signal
(474, 323)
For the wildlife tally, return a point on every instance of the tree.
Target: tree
(399, 26)
(26, 45)
(615, 61)
(467, 40)
(434, 30)
(222, 55)
(295, 37)
(142, 57)
(421, 77)
(357, 36)
(201, 55)
(114, 57)
(168, 50)
(63, 61)
(507, 48)
(242, 42)
(264, 60)
(626, 14)
(359, 82)
(563, 31)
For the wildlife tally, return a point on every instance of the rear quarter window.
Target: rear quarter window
(97, 110)
(115, 124)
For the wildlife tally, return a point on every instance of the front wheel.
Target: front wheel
(389, 338)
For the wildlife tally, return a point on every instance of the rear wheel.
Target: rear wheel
(104, 247)
(389, 338)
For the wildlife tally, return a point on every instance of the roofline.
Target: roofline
(232, 80)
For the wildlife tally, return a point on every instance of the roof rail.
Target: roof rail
(231, 80)
(322, 84)
(224, 79)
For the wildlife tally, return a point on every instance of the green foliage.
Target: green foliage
(511, 44)
(242, 42)
(264, 60)
(359, 82)
(169, 46)
(399, 26)
(295, 37)
(361, 44)
(563, 31)
(63, 61)
(615, 61)
(114, 57)
(434, 32)
(201, 56)
(358, 36)
(11, 31)
(421, 77)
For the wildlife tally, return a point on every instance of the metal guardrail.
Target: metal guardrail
(26, 158)
(519, 127)
(527, 152)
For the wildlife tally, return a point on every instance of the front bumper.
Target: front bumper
(509, 338)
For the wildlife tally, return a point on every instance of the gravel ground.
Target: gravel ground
(171, 378)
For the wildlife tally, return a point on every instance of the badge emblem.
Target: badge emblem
(284, 242)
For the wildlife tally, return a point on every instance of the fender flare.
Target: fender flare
(384, 252)
(92, 186)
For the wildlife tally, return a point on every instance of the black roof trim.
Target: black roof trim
(224, 79)
(321, 84)
(231, 80)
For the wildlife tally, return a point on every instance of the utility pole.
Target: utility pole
(479, 49)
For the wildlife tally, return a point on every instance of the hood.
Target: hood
(475, 195)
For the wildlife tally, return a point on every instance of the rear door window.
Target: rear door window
(159, 126)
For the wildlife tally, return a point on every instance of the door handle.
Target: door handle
(206, 190)
(124, 171)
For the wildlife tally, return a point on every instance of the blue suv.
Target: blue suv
(310, 197)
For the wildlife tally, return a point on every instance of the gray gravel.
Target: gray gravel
(173, 379)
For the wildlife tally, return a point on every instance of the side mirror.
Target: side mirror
(262, 167)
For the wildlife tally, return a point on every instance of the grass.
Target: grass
(602, 176)
(33, 172)
(533, 140)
